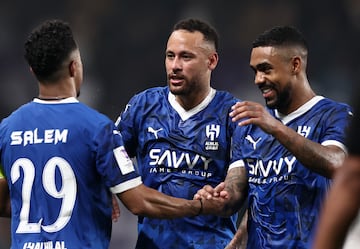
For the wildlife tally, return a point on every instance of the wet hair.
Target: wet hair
(47, 47)
(281, 36)
(192, 25)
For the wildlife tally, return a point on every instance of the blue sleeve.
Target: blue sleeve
(126, 124)
(112, 161)
(337, 122)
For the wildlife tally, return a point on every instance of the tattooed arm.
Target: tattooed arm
(233, 190)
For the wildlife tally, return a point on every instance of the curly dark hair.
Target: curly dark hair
(191, 25)
(47, 47)
(280, 36)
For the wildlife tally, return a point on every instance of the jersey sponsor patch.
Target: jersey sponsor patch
(125, 164)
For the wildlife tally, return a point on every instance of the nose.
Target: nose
(175, 64)
(259, 77)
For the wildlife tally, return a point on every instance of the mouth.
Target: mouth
(176, 79)
(267, 91)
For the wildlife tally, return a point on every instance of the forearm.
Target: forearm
(148, 202)
(321, 159)
(236, 186)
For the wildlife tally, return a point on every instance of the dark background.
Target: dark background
(123, 43)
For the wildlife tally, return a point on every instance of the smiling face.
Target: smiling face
(189, 61)
(274, 75)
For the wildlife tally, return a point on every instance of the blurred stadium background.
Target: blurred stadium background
(123, 43)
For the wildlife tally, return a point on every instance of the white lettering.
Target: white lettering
(32, 137)
(45, 245)
(265, 169)
(173, 160)
(177, 161)
(16, 138)
(28, 137)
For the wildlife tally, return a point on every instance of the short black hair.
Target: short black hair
(281, 36)
(191, 25)
(47, 47)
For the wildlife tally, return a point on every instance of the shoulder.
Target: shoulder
(224, 100)
(153, 92)
(333, 108)
(227, 96)
(330, 103)
(93, 114)
(148, 97)
(24, 109)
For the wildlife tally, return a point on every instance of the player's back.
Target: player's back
(49, 154)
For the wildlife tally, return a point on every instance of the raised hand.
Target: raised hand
(248, 112)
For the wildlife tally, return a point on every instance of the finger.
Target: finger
(209, 192)
(201, 193)
(197, 196)
(115, 209)
(224, 194)
(220, 187)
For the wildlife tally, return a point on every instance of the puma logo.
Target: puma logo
(252, 141)
(155, 132)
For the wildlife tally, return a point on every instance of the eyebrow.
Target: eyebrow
(262, 66)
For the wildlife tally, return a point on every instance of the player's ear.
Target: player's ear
(213, 60)
(72, 68)
(296, 64)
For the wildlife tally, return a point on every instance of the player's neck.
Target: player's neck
(56, 91)
(57, 98)
(190, 101)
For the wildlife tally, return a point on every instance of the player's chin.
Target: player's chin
(176, 89)
(271, 103)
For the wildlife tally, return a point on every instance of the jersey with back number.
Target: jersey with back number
(284, 196)
(177, 153)
(61, 160)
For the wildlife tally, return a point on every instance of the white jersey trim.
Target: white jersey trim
(184, 114)
(122, 187)
(60, 101)
(298, 112)
(236, 164)
(335, 143)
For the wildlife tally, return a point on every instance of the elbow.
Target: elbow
(333, 169)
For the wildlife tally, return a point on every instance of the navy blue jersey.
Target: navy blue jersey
(61, 160)
(177, 153)
(285, 197)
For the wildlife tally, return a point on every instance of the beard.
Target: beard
(183, 89)
(282, 99)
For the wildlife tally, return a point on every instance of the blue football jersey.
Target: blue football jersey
(177, 153)
(285, 197)
(61, 161)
